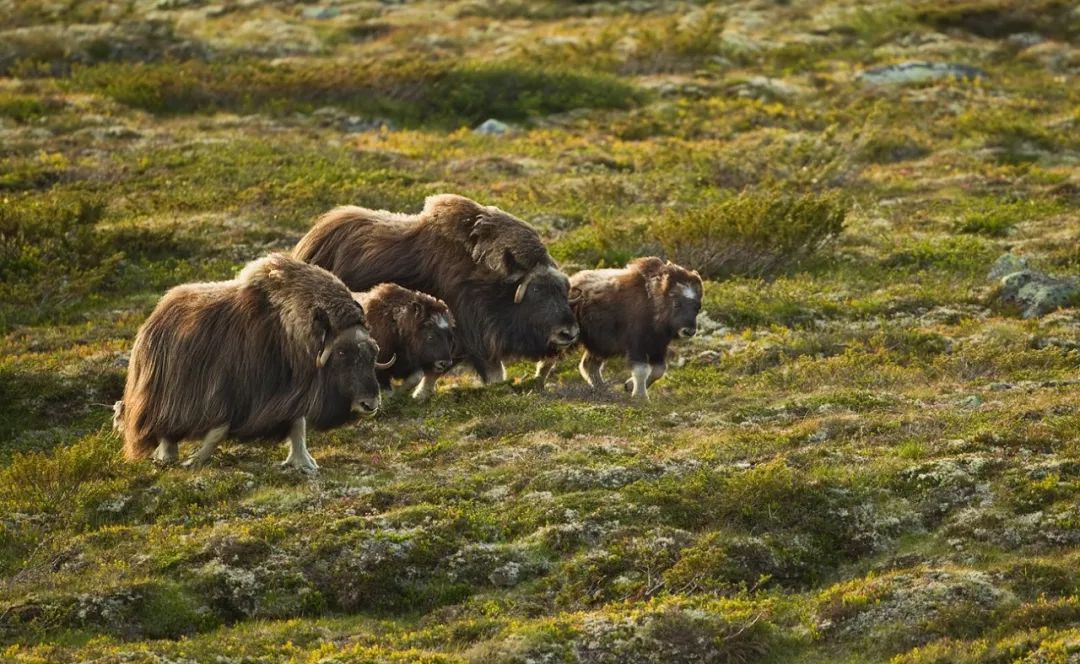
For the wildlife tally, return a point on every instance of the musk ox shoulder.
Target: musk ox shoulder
(491, 268)
(414, 327)
(246, 358)
(636, 311)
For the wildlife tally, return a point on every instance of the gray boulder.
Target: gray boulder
(1037, 293)
(1005, 265)
(918, 72)
(492, 127)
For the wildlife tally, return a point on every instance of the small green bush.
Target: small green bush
(751, 234)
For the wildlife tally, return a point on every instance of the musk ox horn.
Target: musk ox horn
(387, 364)
(519, 294)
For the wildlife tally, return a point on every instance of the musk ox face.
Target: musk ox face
(349, 372)
(683, 302)
(435, 343)
(542, 311)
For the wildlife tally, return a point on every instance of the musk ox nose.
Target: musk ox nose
(687, 332)
(368, 406)
(566, 336)
(442, 366)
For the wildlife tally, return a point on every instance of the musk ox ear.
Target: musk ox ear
(418, 310)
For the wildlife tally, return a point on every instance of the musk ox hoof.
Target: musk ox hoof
(304, 465)
(194, 463)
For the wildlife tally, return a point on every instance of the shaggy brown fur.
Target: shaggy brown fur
(479, 259)
(416, 328)
(245, 354)
(636, 311)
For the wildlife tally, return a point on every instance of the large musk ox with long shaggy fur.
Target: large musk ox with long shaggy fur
(247, 358)
(415, 328)
(504, 289)
(636, 311)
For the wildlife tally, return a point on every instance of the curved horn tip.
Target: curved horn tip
(519, 294)
(387, 364)
(323, 357)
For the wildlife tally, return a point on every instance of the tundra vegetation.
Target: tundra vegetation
(865, 455)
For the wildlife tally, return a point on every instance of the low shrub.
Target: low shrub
(411, 92)
(751, 234)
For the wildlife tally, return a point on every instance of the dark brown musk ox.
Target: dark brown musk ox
(507, 294)
(415, 328)
(247, 358)
(636, 311)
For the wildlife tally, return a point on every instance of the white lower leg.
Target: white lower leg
(209, 444)
(591, 369)
(426, 387)
(639, 376)
(496, 374)
(298, 453)
(544, 368)
(167, 451)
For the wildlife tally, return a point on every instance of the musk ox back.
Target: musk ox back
(415, 328)
(491, 269)
(635, 311)
(246, 358)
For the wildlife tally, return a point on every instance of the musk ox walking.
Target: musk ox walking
(636, 311)
(415, 328)
(506, 293)
(247, 358)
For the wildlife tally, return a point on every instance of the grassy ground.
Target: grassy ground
(864, 457)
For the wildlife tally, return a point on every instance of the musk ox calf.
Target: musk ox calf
(506, 293)
(635, 311)
(247, 358)
(415, 328)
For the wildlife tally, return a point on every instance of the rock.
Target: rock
(355, 124)
(971, 401)
(1037, 293)
(492, 127)
(768, 89)
(1025, 39)
(1006, 264)
(506, 576)
(320, 12)
(918, 72)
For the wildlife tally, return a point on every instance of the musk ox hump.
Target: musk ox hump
(312, 304)
(493, 238)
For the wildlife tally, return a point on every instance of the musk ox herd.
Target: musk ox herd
(369, 298)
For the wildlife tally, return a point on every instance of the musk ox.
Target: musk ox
(247, 358)
(635, 311)
(506, 293)
(415, 328)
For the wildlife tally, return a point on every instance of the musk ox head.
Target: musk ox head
(676, 294)
(533, 313)
(430, 335)
(347, 367)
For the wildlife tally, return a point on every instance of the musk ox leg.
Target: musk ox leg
(591, 369)
(426, 387)
(639, 380)
(544, 369)
(298, 454)
(491, 372)
(167, 451)
(209, 444)
(410, 382)
(658, 371)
